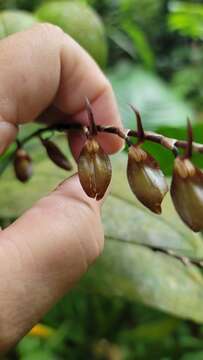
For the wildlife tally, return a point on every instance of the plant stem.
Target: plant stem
(126, 134)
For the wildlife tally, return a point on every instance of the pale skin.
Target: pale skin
(45, 252)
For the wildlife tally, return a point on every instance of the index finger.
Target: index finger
(44, 66)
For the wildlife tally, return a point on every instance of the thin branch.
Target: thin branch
(168, 143)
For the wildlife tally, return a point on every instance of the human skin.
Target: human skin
(44, 72)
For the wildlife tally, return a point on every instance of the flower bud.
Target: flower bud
(94, 169)
(146, 179)
(22, 165)
(56, 155)
(187, 193)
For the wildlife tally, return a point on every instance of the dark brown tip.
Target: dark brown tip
(140, 130)
(90, 117)
(188, 151)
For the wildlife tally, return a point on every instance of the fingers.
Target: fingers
(43, 66)
(43, 254)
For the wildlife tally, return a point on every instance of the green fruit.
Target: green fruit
(80, 22)
(14, 21)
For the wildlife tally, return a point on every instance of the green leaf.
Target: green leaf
(6, 159)
(136, 272)
(157, 280)
(195, 355)
(121, 40)
(140, 42)
(151, 331)
(187, 19)
(155, 100)
(127, 267)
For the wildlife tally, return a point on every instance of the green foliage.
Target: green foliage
(148, 13)
(190, 87)
(96, 327)
(187, 18)
(140, 43)
(156, 101)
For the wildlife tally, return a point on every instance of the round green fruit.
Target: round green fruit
(79, 21)
(12, 21)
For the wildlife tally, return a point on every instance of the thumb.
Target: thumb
(43, 254)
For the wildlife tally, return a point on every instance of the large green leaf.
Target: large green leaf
(127, 267)
(157, 102)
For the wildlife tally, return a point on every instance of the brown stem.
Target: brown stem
(90, 117)
(169, 143)
(188, 151)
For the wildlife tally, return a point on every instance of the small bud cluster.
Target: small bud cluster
(144, 175)
(23, 163)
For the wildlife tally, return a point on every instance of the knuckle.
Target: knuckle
(49, 29)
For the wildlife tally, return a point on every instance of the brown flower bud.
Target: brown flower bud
(146, 179)
(56, 155)
(22, 165)
(94, 169)
(187, 193)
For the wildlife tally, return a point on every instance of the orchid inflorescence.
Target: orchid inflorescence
(145, 177)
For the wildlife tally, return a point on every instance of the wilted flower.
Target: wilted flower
(146, 179)
(56, 155)
(187, 193)
(94, 169)
(22, 165)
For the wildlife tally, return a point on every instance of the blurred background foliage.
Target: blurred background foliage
(152, 51)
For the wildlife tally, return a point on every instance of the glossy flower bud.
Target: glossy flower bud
(22, 165)
(146, 179)
(56, 155)
(94, 169)
(187, 193)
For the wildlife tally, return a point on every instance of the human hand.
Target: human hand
(46, 251)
